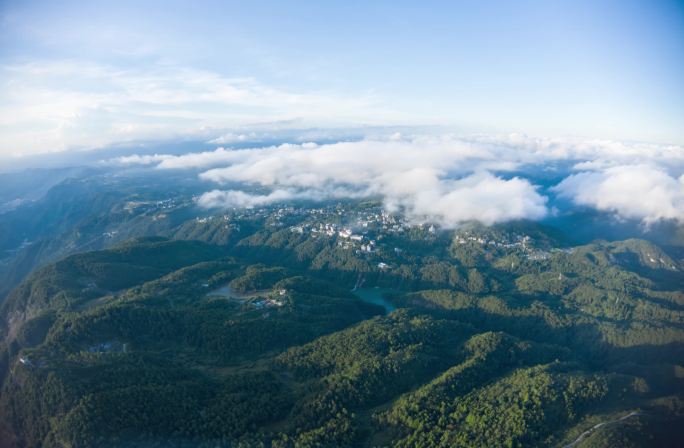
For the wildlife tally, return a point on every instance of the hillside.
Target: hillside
(500, 339)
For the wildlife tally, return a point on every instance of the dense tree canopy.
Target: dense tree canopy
(255, 336)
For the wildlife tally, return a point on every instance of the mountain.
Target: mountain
(87, 212)
(253, 328)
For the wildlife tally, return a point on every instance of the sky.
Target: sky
(88, 75)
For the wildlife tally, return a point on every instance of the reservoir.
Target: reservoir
(375, 296)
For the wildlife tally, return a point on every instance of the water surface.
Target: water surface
(375, 296)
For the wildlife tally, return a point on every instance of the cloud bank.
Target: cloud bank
(446, 182)
(631, 191)
(240, 199)
(447, 179)
(57, 105)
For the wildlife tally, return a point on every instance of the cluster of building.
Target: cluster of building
(226, 220)
(518, 241)
(164, 204)
(388, 223)
(267, 303)
(274, 301)
(361, 229)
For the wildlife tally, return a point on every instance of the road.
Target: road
(598, 425)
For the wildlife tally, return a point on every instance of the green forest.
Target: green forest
(259, 338)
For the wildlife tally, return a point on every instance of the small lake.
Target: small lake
(375, 296)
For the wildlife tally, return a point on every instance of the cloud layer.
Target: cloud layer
(631, 191)
(49, 106)
(240, 199)
(449, 180)
(415, 176)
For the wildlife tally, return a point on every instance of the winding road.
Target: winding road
(598, 425)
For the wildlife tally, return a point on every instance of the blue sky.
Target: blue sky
(92, 74)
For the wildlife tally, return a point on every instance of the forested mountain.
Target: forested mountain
(456, 224)
(254, 328)
(89, 211)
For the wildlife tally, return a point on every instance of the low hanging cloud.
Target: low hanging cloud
(240, 199)
(480, 197)
(639, 192)
(446, 179)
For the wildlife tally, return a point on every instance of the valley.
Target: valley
(341, 325)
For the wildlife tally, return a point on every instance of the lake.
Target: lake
(375, 296)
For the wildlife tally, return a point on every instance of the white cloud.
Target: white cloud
(441, 180)
(356, 163)
(232, 137)
(449, 180)
(639, 192)
(237, 198)
(216, 157)
(49, 106)
(136, 159)
(585, 152)
(481, 197)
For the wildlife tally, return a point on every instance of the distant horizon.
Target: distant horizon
(94, 75)
(191, 143)
(453, 112)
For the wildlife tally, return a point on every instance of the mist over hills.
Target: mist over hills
(135, 313)
(89, 207)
